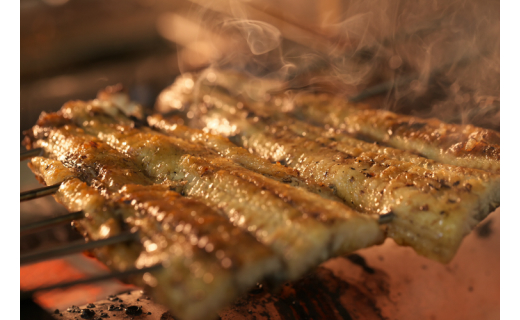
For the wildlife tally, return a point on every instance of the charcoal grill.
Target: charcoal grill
(382, 282)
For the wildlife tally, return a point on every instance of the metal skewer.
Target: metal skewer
(48, 223)
(30, 153)
(74, 248)
(120, 274)
(386, 217)
(38, 193)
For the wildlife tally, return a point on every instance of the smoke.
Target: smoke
(428, 58)
(436, 58)
(260, 36)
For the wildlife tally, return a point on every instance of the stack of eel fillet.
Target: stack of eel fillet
(218, 218)
(240, 184)
(438, 180)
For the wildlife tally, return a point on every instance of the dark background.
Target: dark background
(436, 58)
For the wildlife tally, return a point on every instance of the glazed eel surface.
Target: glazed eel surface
(460, 145)
(207, 261)
(218, 218)
(435, 204)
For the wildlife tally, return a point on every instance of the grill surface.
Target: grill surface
(385, 282)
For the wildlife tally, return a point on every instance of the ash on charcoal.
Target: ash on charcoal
(114, 308)
(133, 310)
(87, 313)
(73, 309)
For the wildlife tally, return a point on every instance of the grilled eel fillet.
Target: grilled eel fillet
(208, 261)
(241, 156)
(302, 228)
(249, 86)
(460, 145)
(435, 204)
